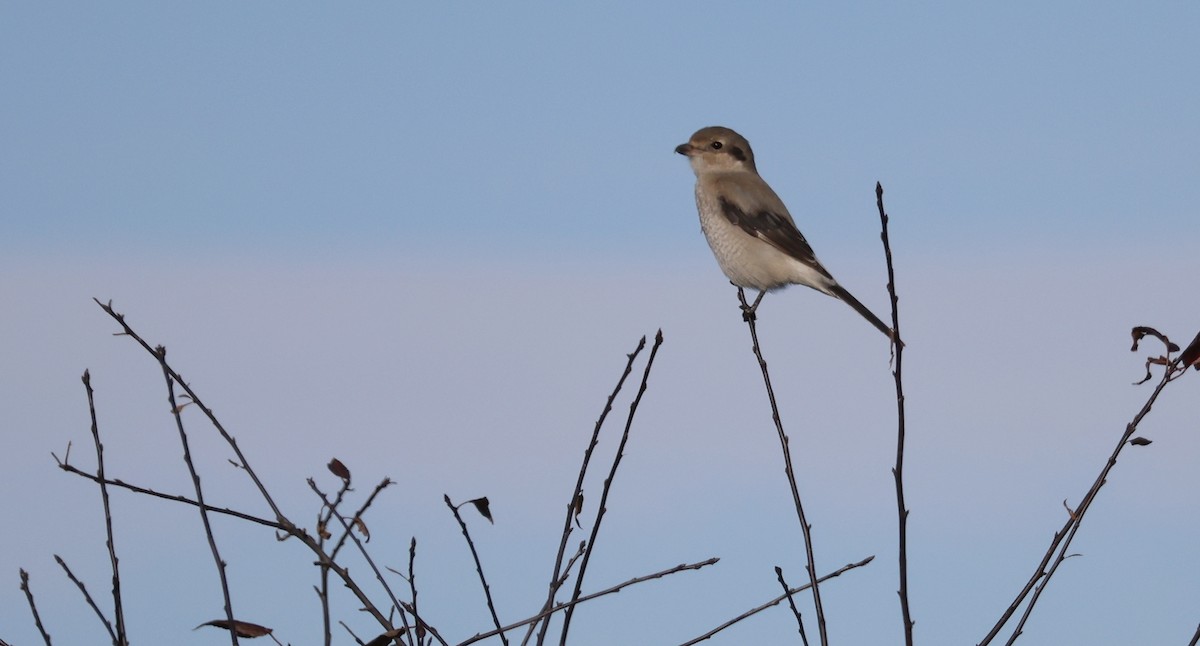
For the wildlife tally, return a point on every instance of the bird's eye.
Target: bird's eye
(716, 145)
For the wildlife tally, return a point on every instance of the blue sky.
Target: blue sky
(422, 238)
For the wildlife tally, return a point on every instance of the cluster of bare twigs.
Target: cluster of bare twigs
(398, 617)
(399, 620)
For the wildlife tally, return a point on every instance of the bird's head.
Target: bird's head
(717, 149)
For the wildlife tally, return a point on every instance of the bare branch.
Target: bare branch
(588, 597)
(612, 474)
(120, 638)
(37, 619)
(753, 611)
(574, 504)
(487, 591)
(749, 316)
(88, 598)
(898, 470)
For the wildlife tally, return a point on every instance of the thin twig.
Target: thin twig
(161, 353)
(37, 619)
(749, 316)
(1063, 537)
(396, 603)
(87, 597)
(612, 474)
(1195, 637)
(588, 597)
(557, 578)
(195, 399)
(282, 523)
(898, 470)
(487, 591)
(172, 497)
(412, 586)
(792, 604)
(120, 638)
(753, 611)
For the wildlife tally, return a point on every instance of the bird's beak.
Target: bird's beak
(687, 150)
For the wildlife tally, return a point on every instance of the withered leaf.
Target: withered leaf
(577, 508)
(1140, 441)
(481, 505)
(386, 638)
(362, 528)
(338, 469)
(239, 628)
(1140, 332)
(1191, 355)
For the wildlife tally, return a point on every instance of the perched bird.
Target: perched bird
(751, 233)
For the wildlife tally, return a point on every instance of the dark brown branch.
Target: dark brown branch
(753, 611)
(396, 603)
(487, 591)
(195, 399)
(172, 497)
(588, 597)
(161, 353)
(612, 474)
(1063, 537)
(748, 315)
(1196, 635)
(898, 470)
(87, 597)
(37, 619)
(558, 578)
(792, 604)
(120, 638)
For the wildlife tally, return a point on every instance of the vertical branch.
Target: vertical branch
(898, 470)
(412, 586)
(161, 353)
(612, 474)
(792, 604)
(577, 496)
(120, 638)
(806, 529)
(487, 591)
(37, 619)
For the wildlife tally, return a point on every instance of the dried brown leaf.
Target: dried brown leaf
(481, 505)
(239, 628)
(386, 638)
(338, 469)
(1140, 332)
(1140, 441)
(362, 528)
(577, 508)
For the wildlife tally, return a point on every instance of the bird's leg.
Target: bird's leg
(748, 309)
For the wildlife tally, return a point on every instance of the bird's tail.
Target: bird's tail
(837, 291)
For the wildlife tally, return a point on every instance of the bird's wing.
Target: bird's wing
(769, 222)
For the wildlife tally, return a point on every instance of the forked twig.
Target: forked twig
(588, 597)
(749, 316)
(754, 611)
(558, 578)
(612, 474)
(1063, 537)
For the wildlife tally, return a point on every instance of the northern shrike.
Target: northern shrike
(751, 233)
